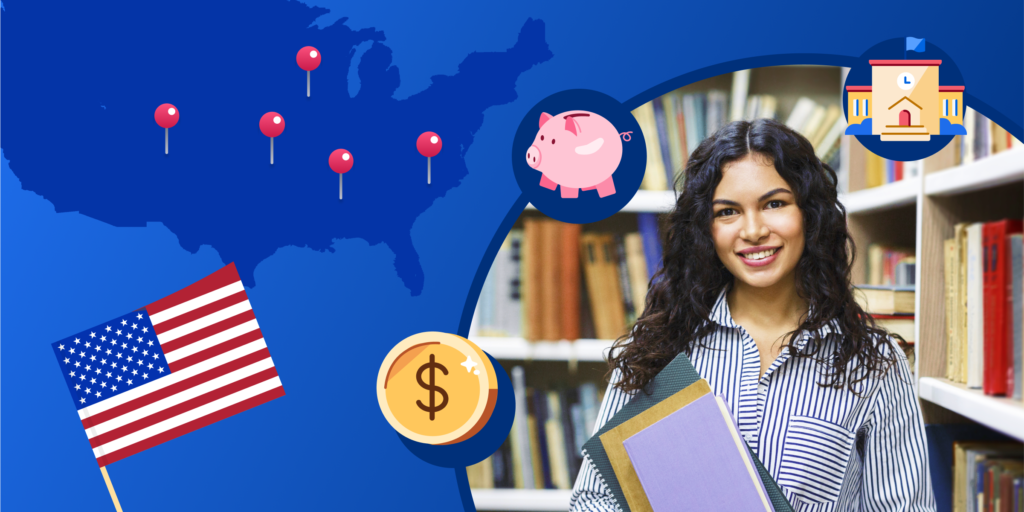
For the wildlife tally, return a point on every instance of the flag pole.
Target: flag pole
(110, 487)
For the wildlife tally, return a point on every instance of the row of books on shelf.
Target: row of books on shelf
(674, 125)
(984, 138)
(543, 449)
(984, 306)
(890, 266)
(988, 477)
(880, 171)
(553, 281)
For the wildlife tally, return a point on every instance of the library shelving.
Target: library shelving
(916, 212)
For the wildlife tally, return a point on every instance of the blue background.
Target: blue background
(361, 276)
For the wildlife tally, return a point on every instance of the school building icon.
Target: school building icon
(905, 102)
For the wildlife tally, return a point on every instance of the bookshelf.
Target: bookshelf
(917, 212)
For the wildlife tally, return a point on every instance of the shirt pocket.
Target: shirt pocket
(814, 459)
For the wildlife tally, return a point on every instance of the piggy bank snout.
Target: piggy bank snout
(533, 156)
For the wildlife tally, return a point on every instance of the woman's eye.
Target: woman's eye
(780, 203)
(724, 211)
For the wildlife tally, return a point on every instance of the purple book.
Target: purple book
(694, 459)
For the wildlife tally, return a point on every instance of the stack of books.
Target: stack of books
(984, 306)
(988, 477)
(552, 281)
(892, 307)
(543, 449)
(881, 171)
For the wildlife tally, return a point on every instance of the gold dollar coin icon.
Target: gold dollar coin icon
(437, 388)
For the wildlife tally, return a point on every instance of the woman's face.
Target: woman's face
(757, 227)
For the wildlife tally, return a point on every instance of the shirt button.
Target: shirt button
(762, 388)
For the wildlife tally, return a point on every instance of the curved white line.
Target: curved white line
(591, 148)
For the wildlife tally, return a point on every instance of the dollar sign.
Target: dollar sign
(431, 387)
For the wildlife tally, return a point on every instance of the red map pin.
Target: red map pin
(308, 59)
(340, 162)
(166, 116)
(272, 125)
(428, 144)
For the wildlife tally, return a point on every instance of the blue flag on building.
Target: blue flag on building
(915, 45)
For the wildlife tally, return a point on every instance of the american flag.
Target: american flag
(179, 364)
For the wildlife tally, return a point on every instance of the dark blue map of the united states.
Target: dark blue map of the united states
(79, 127)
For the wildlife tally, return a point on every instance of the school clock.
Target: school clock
(905, 81)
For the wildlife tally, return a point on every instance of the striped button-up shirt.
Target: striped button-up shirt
(829, 450)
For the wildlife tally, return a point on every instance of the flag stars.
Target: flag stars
(140, 316)
(91, 358)
(150, 343)
(98, 394)
(145, 352)
(92, 335)
(103, 362)
(124, 368)
(145, 329)
(98, 371)
(72, 351)
(103, 385)
(78, 388)
(145, 375)
(119, 378)
(135, 326)
(134, 349)
(124, 322)
(129, 382)
(87, 345)
(62, 348)
(77, 364)
(108, 374)
(81, 377)
(156, 355)
(103, 338)
(108, 328)
(88, 391)
(66, 360)
(119, 355)
(91, 381)
(129, 359)
(124, 345)
(72, 374)
(161, 369)
(82, 400)
(139, 361)
(88, 368)
(113, 388)
(119, 332)
(150, 366)
(135, 372)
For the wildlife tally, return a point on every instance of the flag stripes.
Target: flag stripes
(219, 366)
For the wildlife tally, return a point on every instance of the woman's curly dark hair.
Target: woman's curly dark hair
(683, 292)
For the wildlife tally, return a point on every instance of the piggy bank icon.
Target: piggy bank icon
(576, 150)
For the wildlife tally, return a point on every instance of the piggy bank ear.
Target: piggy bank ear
(570, 126)
(544, 117)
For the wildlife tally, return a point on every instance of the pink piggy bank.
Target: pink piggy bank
(576, 149)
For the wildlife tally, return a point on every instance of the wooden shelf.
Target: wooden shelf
(999, 169)
(522, 499)
(650, 201)
(1002, 414)
(885, 197)
(518, 349)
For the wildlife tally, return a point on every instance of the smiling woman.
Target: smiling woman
(755, 289)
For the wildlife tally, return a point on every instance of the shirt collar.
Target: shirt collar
(721, 315)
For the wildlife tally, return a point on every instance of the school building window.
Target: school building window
(956, 107)
(945, 107)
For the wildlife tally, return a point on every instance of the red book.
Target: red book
(996, 253)
(899, 170)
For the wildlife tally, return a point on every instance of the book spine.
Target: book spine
(648, 226)
(661, 123)
(989, 386)
(624, 284)
(1013, 315)
(522, 431)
